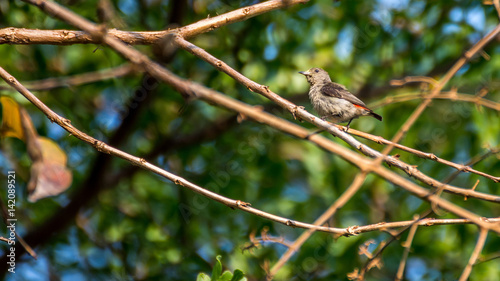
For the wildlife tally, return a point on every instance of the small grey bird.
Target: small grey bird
(333, 101)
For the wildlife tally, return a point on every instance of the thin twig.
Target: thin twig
(407, 246)
(476, 159)
(79, 79)
(341, 201)
(426, 155)
(439, 86)
(483, 233)
(497, 6)
(384, 244)
(413, 79)
(446, 95)
(20, 239)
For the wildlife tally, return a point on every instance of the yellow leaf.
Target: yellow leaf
(51, 152)
(11, 119)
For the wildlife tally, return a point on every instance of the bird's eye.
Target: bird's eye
(316, 70)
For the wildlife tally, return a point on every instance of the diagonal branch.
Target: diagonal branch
(204, 93)
(483, 233)
(447, 95)
(259, 116)
(407, 246)
(333, 129)
(439, 86)
(425, 155)
(79, 79)
(341, 201)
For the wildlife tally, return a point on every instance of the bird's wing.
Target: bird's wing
(338, 91)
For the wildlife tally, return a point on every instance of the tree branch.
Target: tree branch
(339, 203)
(25, 36)
(483, 233)
(75, 80)
(261, 117)
(439, 86)
(446, 95)
(333, 129)
(407, 246)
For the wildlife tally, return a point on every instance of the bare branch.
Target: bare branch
(450, 95)
(20, 239)
(407, 246)
(439, 86)
(333, 129)
(497, 6)
(259, 116)
(431, 156)
(341, 201)
(242, 14)
(25, 36)
(79, 79)
(475, 160)
(483, 233)
(413, 79)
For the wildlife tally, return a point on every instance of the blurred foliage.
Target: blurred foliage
(143, 227)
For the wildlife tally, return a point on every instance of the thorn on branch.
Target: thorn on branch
(219, 64)
(465, 169)
(240, 204)
(294, 113)
(266, 88)
(483, 92)
(473, 188)
(351, 231)
(99, 145)
(290, 223)
(410, 168)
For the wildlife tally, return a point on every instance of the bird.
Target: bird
(332, 100)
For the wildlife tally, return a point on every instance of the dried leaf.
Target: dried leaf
(11, 119)
(51, 152)
(51, 179)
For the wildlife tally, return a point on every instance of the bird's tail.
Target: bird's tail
(379, 118)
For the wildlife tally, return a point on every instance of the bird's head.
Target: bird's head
(316, 75)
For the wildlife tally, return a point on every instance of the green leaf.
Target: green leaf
(238, 275)
(203, 277)
(217, 269)
(226, 276)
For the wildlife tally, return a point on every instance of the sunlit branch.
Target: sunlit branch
(333, 129)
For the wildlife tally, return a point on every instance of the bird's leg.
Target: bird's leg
(347, 127)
